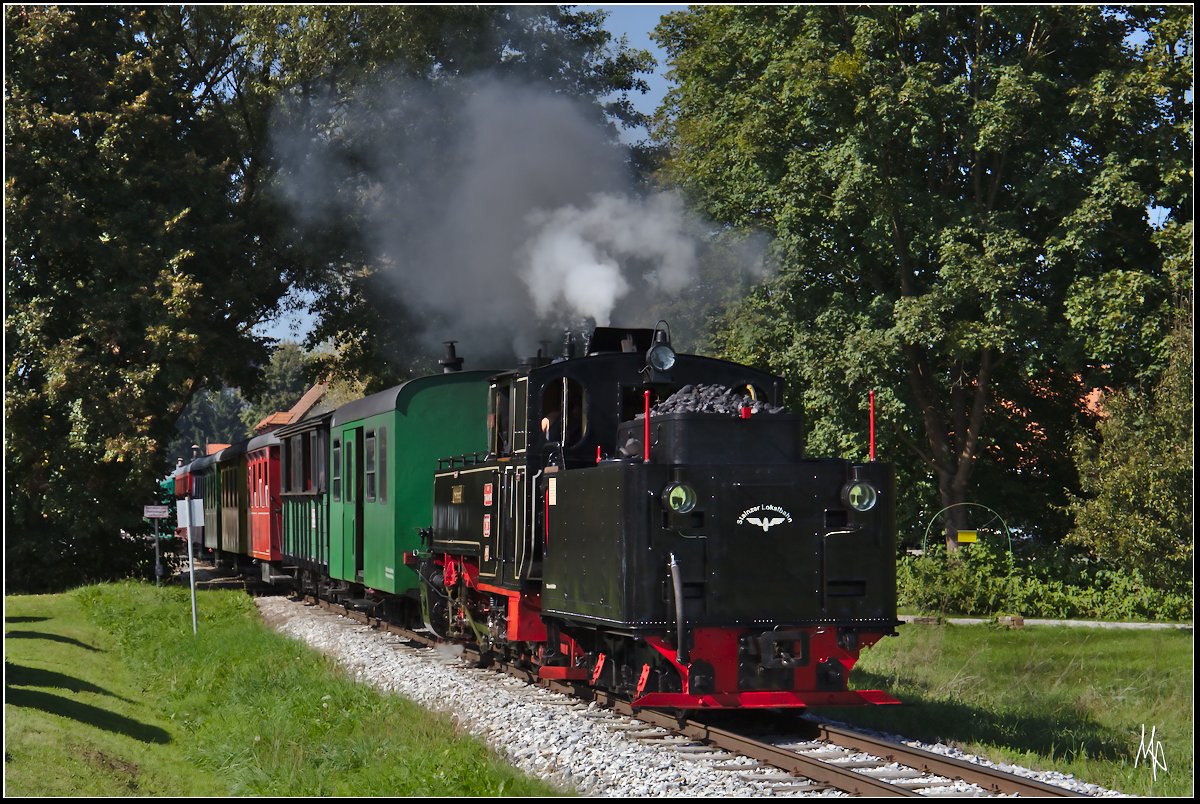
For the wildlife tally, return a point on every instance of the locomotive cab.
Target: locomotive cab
(577, 408)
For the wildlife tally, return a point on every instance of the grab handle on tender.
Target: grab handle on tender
(677, 587)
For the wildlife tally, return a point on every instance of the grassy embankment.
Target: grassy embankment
(1073, 700)
(109, 694)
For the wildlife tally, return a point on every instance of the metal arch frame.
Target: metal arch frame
(1003, 524)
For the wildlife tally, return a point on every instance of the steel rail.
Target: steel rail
(991, 779)
(823, 773)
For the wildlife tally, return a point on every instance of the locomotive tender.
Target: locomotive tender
(576, 515)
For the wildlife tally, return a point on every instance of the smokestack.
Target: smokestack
(195, 451)
(540, 359)
(451, 362)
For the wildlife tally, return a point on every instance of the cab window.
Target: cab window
(564, 412)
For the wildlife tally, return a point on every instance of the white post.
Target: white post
(192, 579)
(158, 569)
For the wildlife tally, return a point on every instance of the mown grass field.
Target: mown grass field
(109, 694)
(1073, 700)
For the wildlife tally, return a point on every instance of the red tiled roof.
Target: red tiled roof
(303, 406)
(310, 398)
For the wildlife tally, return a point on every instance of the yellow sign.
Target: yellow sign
(967, 536)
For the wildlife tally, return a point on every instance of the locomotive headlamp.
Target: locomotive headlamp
(661, 356)
(679, 497)
(860, 495)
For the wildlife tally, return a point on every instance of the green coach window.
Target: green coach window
(369, 475)
(382, 464)
(336, 471)
(317, 450)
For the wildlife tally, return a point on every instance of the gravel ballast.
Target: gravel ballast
(548, 735)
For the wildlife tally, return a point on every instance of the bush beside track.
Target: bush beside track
(983, 580)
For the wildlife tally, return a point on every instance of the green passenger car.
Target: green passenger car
(304, 475)
(383, 455)
(210, 491)
(235, 525)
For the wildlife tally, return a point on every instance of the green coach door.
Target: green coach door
(352, 511)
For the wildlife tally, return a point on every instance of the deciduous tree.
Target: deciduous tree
(128, 270)
(144, 241)
(1136, 509)
(959, 198)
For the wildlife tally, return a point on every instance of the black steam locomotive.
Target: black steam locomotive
(647, 522)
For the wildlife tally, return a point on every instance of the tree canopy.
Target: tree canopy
(130, 264)
(960, 199)
(145, 237)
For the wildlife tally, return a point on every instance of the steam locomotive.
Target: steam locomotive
(637, 519)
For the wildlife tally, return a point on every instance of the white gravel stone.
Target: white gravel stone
(547, 735)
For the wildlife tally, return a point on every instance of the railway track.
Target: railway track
(812, 757)
(862, 764)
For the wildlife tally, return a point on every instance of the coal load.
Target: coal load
(711, 399)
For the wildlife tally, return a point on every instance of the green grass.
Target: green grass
(108, 693)
(1068, 699)
(76, 721)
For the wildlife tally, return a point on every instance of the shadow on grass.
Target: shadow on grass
(925, 718)
(15, 619)
(16, 675)
(49, 637)
(85, 713)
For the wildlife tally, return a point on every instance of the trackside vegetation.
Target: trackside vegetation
(983, 213)
(109, 694)
(1074, 700)
(985, 580)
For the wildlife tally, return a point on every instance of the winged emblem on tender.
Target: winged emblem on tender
(766, 523)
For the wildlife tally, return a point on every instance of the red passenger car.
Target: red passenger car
(262, 480)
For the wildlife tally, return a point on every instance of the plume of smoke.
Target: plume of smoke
(498, 211)
(575, 256)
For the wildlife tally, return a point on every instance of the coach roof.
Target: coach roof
(388, 400)
(264, 440)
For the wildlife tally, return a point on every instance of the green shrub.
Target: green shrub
(983, 581)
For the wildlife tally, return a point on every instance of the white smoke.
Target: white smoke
(497, 211)
(578, 258)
